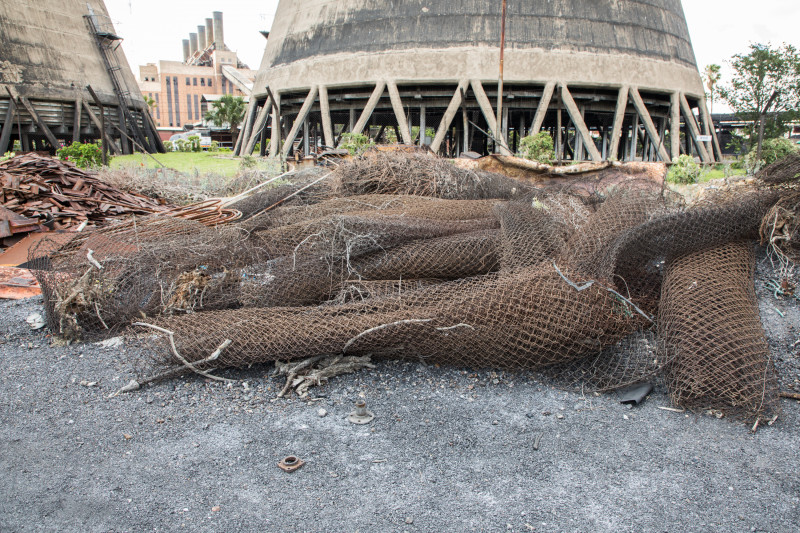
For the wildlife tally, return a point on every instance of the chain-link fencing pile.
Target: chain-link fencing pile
(409, 256)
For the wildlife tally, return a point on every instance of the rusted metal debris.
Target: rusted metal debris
(40, 193)
(42, 187)
(290, 463)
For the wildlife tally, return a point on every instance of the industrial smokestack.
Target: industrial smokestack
(192, 43)
(201, 38)
(186, 49)
(209, 32)
(219, 34)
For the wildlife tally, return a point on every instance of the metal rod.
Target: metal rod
(500, 77)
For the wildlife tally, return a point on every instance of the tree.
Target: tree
(228, 112)
(150, 101)
(766, 80)
(711, 76)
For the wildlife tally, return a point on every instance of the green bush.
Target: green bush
(214, 146)
(7, 155)
(84, 155)
(247, 162)
(355, 143)
(772, 150)
(538, 148)
(168, 146)
(194, 143)
(684, 170)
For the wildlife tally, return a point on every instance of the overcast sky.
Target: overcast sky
(153, 29)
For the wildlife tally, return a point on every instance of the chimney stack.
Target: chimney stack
(186, 50)
(192, 43)
(209, 32)
(201, 38)
(219, 34)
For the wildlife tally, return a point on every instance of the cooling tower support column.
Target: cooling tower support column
(325, 111)
(619, 119)
(298, 122)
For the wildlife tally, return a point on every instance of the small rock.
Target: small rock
(215, 509)
(127, 437)
(88, 383)
(35, 321)
(409, 520)
(560, 416)
(321, 413)
(546, 413)
(625, 417)
(530, 415)
(495, 381)
(495, 422)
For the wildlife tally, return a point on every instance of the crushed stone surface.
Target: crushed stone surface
(449, 449)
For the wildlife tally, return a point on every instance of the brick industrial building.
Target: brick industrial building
(183, 90)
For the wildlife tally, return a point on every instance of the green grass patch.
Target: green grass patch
(190, 162)
(715, 174)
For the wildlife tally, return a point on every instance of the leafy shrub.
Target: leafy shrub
(168, 146)
(355, 143)
(214, 146)
(84, 155)
(7, 155)
(771, 150)
(194, 143)
(538, 148)
(684, 170)
(247, 162)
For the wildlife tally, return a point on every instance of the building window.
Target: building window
(197, 108)
(224, 86)
(194, 82)
(202, 82)
(210, 82)
(177, 104)
(188, 81)
(189, 105)
(175, 81)
(158, 109)
(169, 102)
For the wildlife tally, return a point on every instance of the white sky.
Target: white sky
(153, 29)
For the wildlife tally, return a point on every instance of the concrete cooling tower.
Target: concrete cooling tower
(608, 79)
(64, 78)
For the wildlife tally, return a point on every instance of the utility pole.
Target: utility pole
(500, 78)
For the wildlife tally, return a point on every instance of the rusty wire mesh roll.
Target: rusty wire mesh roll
(528, 319)
(708, 319)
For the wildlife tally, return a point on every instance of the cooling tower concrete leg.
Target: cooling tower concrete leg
(675, 125)
(708, 125)
(400, 114)
(42, 126)
(544, 105)
(370, 107)
(619, 119)
(325, 111)
(76, 122)
(112, 146)
(449, 114)
(5, 134)
(123, 139)
(649, 127)
(256, 127)
(298, 122)
(244, 133)
(488, 113)
(694, 130)
(275, 140)
(580, 125)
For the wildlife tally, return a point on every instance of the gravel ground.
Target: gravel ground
(449, 450)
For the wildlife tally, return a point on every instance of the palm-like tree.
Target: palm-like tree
(227, 111)
(712, 76)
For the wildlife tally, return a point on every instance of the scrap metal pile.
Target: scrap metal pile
(39, 193)
(607, 280)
